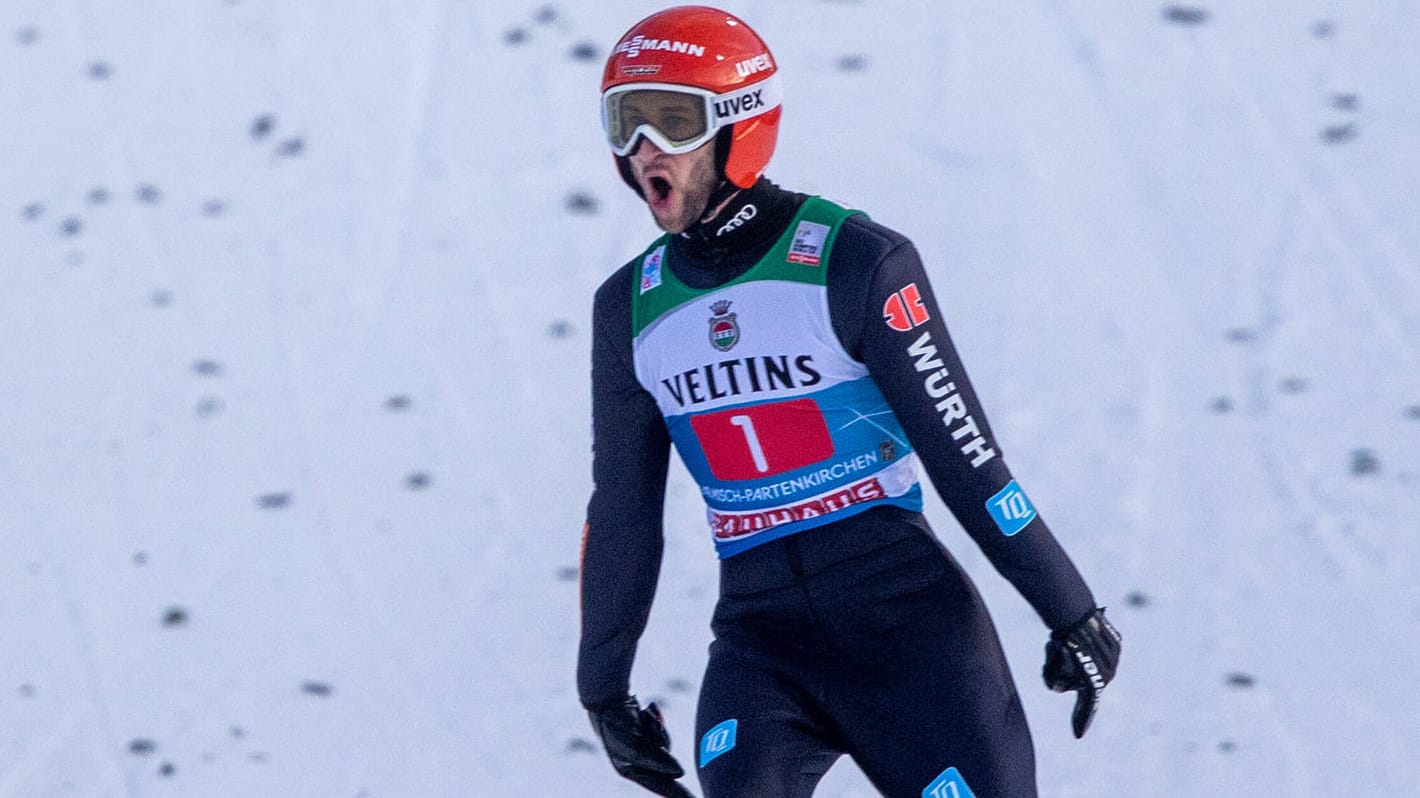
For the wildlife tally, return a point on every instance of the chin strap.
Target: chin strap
(719, 197)
(723, 140)
(623, 165)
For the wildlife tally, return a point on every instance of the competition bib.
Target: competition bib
(782, 429)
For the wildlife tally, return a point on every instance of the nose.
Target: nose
(642, 153)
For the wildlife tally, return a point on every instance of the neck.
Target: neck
(741, 226)
(737, 220)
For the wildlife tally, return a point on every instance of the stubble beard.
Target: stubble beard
(697, 193)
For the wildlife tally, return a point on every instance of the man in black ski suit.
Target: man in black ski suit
(794, 354)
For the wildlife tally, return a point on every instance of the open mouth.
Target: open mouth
(660, 188)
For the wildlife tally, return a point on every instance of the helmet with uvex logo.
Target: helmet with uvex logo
(719, 74)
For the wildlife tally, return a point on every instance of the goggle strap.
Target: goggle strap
(745, 102)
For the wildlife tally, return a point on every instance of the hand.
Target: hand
(639, 746)
(1082, 657)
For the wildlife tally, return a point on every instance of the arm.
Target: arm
(900, 335)
(621, 549)
(622, 543)
(897, 330)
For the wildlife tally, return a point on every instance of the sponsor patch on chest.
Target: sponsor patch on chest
(724, 329)
(651, 269)
(807, 246)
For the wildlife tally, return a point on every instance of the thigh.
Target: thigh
(948, 750)
(757, 727)
(929, 707)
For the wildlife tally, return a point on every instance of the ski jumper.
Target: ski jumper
(802, 370)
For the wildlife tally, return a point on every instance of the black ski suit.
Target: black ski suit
(861, 636)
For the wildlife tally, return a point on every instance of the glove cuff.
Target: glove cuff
(609, 703)
(1062, 632)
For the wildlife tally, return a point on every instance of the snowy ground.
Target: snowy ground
(295, 303)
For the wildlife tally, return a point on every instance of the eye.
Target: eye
(677, 126)
(631, 121)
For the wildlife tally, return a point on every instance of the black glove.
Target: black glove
(639, 746)
(1082, 657)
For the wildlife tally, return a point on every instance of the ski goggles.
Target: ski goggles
(678, 119)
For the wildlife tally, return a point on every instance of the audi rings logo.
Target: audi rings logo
(746, 213)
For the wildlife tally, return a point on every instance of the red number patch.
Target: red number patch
(763, 440)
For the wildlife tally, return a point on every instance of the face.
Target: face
(677, 187)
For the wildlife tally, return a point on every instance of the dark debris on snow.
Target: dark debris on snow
(1240, 680)
(316, 688)
(581, 202)
(291, 148)
(208, 406)
(1339, 134)
(273, 501)
(1364, 462)
(1185, 15)
(175, 616)
(852, 63)
(262, 126)
(1346, 101)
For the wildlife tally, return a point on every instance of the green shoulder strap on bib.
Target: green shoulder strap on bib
(800, 255)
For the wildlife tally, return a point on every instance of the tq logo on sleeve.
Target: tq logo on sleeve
(948, 785)
(1010, 509)
(720, 739)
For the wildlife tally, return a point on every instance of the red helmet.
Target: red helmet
(718, 73)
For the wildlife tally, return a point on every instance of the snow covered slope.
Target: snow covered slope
(295, 310)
